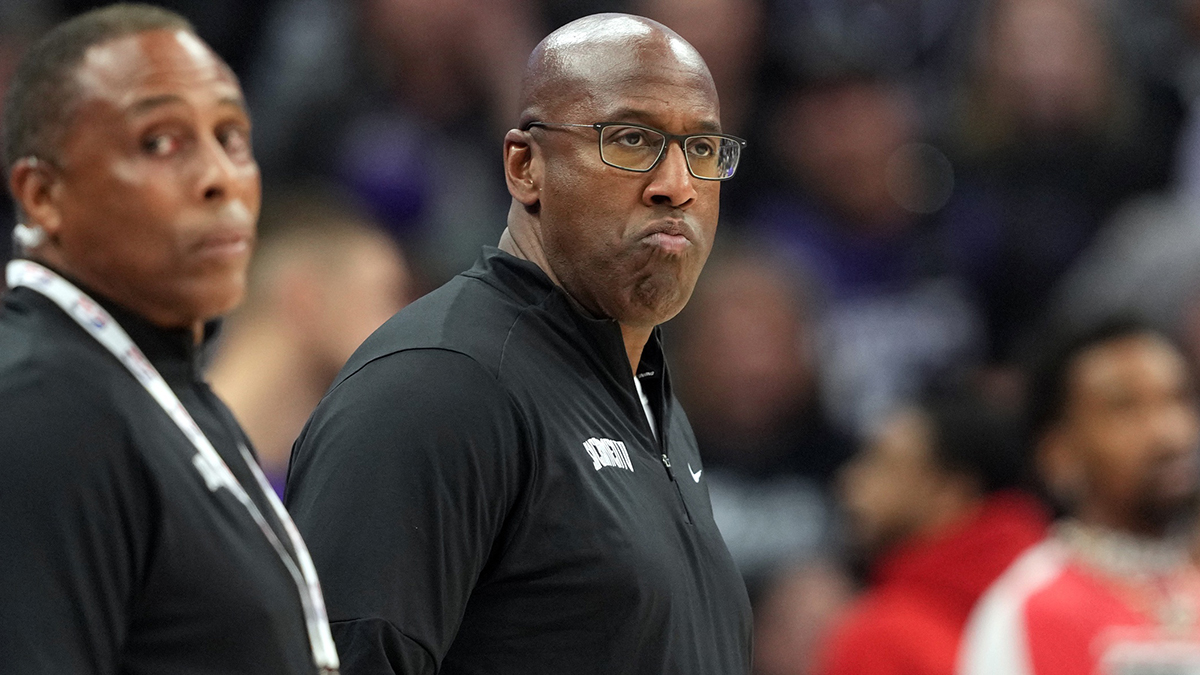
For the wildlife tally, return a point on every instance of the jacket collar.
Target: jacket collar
(528, 284)
(172, 351)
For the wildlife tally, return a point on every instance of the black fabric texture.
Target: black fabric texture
(115, 557)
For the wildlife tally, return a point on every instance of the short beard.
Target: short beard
(1165, 519)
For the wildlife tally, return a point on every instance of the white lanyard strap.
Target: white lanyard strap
(216, 474)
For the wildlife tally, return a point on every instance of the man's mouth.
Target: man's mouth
(669, 237)
(668, 243)
(225, 243)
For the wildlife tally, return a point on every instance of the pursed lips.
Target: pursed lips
(225, 241)
(670, 236)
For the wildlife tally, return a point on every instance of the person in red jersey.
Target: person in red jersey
(1113, 589)
(933, 502)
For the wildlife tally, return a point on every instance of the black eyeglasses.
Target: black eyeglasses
(634, 147)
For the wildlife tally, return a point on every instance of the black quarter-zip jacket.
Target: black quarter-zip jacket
(115, 557)
(482, 492)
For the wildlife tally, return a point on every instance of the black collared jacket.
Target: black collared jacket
(482, 492)
(115, 557)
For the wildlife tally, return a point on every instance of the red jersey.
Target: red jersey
(1050, 614)
(910, 621)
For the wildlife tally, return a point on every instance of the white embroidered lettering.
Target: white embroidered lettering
(607, 452)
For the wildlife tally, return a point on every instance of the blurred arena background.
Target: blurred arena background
(932, 189)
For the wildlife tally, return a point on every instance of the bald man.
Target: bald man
(501, 479)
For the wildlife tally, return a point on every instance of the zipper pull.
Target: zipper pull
(667, 463)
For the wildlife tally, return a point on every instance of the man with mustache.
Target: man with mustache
(137, 533)
(501, 479)
(1113, 589)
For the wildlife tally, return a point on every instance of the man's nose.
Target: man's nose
(218, 172)
(671, 183)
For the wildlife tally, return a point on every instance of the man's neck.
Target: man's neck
(635, 343)
(132, 301)
(635, 338)
(524, 247)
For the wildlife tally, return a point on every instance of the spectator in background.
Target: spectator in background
(728, 34)
(746, 376)
(746, 354)
(323, 279)
(932, 503)
(401, 102)
(1145, 261)
(860, 209)
(792, 616)
(1113, 589)
(1052, 136)
(921, 41)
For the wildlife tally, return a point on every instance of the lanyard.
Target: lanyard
(216, 474)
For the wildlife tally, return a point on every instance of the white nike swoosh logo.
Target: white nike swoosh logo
(695, 474)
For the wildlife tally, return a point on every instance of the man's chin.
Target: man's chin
(659, 297)
(214, 299)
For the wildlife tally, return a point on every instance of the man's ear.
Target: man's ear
(522, 167)
(34, 184)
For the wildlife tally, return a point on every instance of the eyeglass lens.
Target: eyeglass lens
(637, 149)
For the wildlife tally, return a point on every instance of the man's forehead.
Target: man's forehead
(125, 69)
(1122, 363)
(627, 83)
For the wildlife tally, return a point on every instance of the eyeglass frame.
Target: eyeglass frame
(682, 138)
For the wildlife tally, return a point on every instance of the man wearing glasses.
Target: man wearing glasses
(501, 480)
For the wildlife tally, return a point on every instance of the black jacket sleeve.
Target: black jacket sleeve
(75, 521)
(401, 484)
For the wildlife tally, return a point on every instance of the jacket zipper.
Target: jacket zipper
(678, 490)
(661, 444)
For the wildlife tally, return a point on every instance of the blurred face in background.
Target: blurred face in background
(1048, 64)
(794, 615)
(839, 140)
(333, 292)
(1125, 451)
(369, 284)
(745, 359)
(446, 58)
(728, 34)
(888, 488)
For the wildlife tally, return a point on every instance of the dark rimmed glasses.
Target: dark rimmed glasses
(634, 147)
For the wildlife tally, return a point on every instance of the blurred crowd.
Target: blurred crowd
(932, 191)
